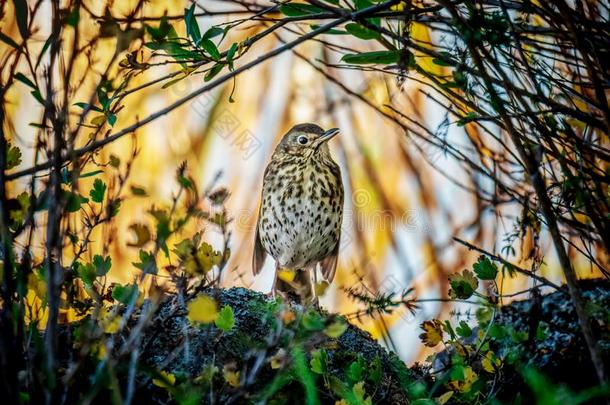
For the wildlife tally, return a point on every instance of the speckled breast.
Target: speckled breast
(301, 211)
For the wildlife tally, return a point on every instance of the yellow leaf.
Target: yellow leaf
(442, 399)
(464, 385)
(490, 362)
(399, 7)
(278, 359)
(288, 316)
(142, 235)
(109, 322)
(100, 348)
(230, 376)
(38, 285)
(433, 332)
(360, 394)
(286, 275)
(336, 329)
(421, 34)
(167, 381)
(99, 120)
(202, 309)
(113, 326)
(321, 288)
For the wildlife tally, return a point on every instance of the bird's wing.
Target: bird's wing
(328, 265)
(259, 254)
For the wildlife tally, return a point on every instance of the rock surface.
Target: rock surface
(181, 349)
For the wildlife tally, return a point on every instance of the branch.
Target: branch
(111, 138)
(518, 269)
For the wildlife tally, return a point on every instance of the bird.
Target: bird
(301, 212)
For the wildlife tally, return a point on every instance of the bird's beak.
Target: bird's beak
(328, 135)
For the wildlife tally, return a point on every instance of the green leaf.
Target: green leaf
(305, 377)
(463, 330)
(102, 265)
(485, 269)
(484, 315)
(462, 285)
(184, 181)
(319, 361)
(362, 4)
(225, 320)
(98, 191)
(162, 31)
(23, 79)
(35, 92)
(37, 96)
(217, 68)
(74, 16)
(111, 119)
(375, 371)
(73, 200)
(471, 116)
(210, 48)
(300, 9)
(542, 331)
(192, 27)
(8, 40)
(163, 228)
(89, 174)
(174, 49)
(21, 14)
(21, 209)
(360, 31)
(13, 157)
(173, 81)
(213, 32)
(380, 57)
(86, 272)
(355, 371)
(43, 50)
(313, 321)
(331, 31)
(86, 106)
(442, 62)
(114, 161)
(336, 329)
(231, 54)
(147, 262)
(125, 294)
(138, 191)
(114, 206)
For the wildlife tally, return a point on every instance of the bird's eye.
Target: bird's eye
(302, 140)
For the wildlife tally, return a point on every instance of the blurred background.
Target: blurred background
(406, 200)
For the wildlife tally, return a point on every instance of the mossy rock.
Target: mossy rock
(185, 351)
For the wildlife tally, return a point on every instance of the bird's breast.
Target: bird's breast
(301, 214)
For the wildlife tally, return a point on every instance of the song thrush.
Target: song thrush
(299, 222)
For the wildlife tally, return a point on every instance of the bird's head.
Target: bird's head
(306, 140)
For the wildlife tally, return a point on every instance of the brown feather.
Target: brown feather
(328, 265)
(259, 255)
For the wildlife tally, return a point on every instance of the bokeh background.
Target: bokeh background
(405, 200)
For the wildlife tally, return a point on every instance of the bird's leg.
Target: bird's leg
(316, 301)
(272, 293)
